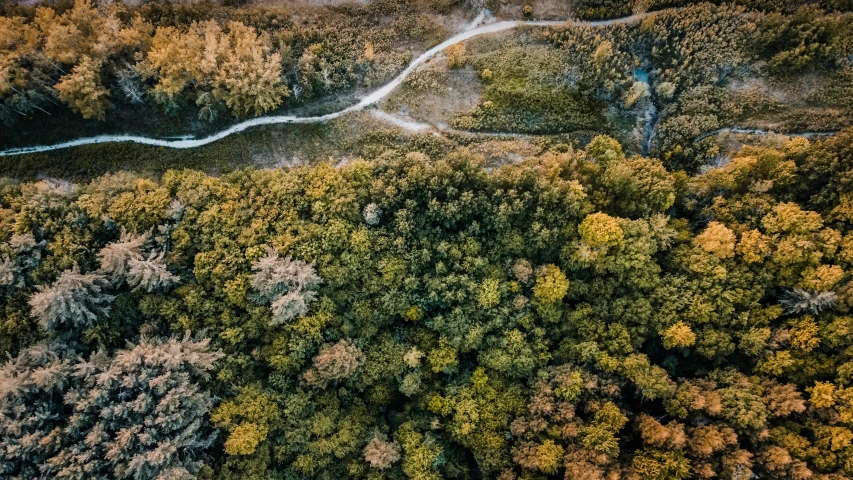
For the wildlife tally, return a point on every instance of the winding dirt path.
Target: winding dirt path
(472, 30)
(760, 131)
(415, 126)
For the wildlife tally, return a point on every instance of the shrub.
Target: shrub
(455, 55)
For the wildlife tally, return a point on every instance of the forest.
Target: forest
(211, 58)
(579, 278)
(581, 314)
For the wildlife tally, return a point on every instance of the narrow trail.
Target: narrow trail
(415, 126)
(760, 131)
(472, 30)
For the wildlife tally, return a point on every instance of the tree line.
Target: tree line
(213, 60)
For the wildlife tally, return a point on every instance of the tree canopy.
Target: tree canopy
(581, 314)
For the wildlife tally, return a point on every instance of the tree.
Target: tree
(150, 273)
(69, 37)
(7, 272)
(639, 187)
(82, 90)
(249, 79)
(335, 362)
(605, 150)
(381, 454)
(289, 285)
(600, 230)
(160, 378)
(139, 414)
(798, 301)
(716, 239)
(24, 254)
(678, 335)
(248, 417)
(115, 257)
(172, 60)
(32, 389)
(372, 214)
(551, 284)
(73, 301)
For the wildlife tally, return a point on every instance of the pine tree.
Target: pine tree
(24, 254)
(74, 300)
(150, 273)
(140, 414)
(798, 301)
(293, 304)
(7, 272)
(32, 388)
(123, 261)
(115, 257)
(82, 90)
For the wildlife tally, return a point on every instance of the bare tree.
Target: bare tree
(130, 84)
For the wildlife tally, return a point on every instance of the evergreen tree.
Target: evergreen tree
(139, 414)
(73, 301)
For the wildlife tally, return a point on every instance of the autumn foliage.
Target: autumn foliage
(427, 318)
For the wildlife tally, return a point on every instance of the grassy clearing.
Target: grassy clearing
(527, 88)
(436, 94)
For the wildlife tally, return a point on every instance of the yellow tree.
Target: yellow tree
(173, 60)
(17, 39)
(7, 71)
(249, 78)
(69, 36)
(82, 90)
